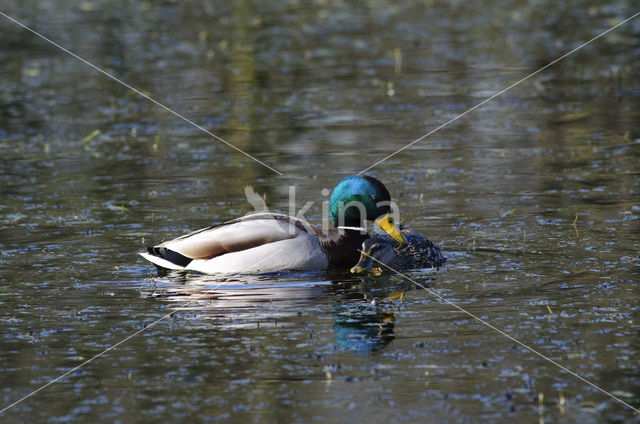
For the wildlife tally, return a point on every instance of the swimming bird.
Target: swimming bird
(418, 252)
(268, 242)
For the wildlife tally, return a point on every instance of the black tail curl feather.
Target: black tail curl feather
(169, 255)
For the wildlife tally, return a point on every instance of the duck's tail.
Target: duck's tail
(165, 258)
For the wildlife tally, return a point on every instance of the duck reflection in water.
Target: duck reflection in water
(363, 313)
(361, 330)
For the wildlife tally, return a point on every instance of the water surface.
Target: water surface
(534, 198)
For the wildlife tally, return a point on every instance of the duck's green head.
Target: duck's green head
(359, 198)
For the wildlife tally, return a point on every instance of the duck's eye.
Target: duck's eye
(390, 220)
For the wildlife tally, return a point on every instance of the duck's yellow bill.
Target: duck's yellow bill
(358, 269)
(386, 223)
(364, 263)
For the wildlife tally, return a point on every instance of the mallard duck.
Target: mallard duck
(268, 242)
(417, 252)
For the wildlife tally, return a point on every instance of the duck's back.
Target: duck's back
(262, 242)
(419, 252)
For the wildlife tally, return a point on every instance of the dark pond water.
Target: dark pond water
(534, 197)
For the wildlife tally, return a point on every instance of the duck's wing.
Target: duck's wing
(232, 236)
(419, 251)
